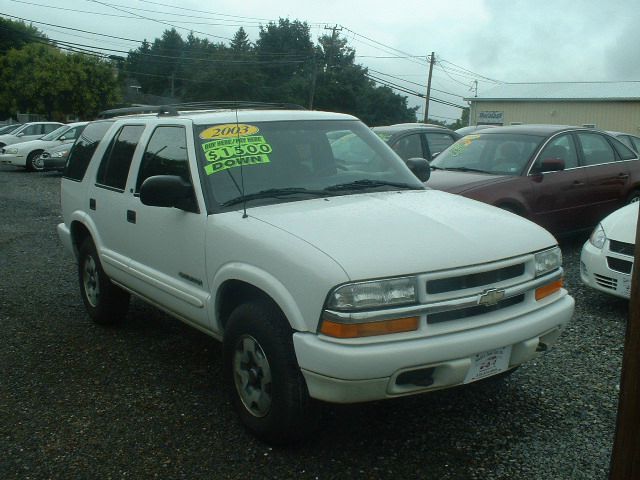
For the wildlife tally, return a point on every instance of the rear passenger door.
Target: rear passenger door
(109, 201)
(607, 173)
(166, 245)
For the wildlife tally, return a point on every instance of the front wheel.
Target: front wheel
(634, 197)
(105, 302)
(32, 164)
(267, 388)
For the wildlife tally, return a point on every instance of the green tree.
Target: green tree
(40, 79)
(17, 34)
(240, 42)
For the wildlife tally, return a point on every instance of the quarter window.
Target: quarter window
(595, 149)
(624, 152)
(116, 161)
(83, 149)
(166, 154)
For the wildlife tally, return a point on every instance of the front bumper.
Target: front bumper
(348, 372)
(595, 271)
(11, 159)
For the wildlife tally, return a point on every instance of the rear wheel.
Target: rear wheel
(634, 197)
(106, 303)
(267, 388)
(32, 163)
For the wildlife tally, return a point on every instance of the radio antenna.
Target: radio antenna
(244, 198)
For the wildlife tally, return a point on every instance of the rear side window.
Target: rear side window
(166, 154)
(408, 147)
(83, 150)
(116, 161)
(595, 149)
(48, 128)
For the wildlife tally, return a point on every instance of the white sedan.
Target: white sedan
(606, 262)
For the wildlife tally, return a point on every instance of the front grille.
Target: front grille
(473, 311)
(619, 265)
(606, 282)
(473, 280)
(622, 247)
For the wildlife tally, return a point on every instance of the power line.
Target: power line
(415, 83)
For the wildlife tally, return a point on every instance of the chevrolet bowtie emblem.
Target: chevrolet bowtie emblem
(490, 297)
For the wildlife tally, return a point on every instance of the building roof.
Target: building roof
(575, 91)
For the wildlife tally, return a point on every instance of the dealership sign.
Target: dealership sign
(490, 117)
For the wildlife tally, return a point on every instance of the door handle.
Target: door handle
(92, 203)
(577, 183)
(623, 176)
(131, 216)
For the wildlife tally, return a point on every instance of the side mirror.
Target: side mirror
(168, 191)
(420, 168)
(551, 165)
(21, 134)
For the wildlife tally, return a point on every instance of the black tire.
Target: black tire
(31, 162)
(634, 196)
(267, 388)
(106, 303)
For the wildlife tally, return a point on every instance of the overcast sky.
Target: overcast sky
(473, 40)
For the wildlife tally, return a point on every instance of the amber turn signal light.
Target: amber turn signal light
(369, 329)
(548, 289)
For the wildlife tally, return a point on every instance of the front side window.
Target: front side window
(32, 130)
(165, 154)
(499, 153)
(283, 161)
(84, 148)
(438, 142)
(560, 148)
(116, 161)
(595, 149)
(71, 134)
(408, 147)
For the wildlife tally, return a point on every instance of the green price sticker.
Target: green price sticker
(235, 152)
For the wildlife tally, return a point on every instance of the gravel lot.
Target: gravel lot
(145, 400)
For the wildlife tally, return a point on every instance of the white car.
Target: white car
(29, 131)
(25, 154)
(324, 277)
(606, 262)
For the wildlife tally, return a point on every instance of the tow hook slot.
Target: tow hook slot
(542, 347)
(422, 377)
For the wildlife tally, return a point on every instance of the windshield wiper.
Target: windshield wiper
(274, 193)
(363, 184)
(465, 169)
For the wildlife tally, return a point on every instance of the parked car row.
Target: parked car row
(22, 150)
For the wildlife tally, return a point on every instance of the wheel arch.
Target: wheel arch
(253, 284)
(79, 233)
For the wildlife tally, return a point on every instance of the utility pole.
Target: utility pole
(426, 102)
(625, 458)
(334, 37)
(314, 75)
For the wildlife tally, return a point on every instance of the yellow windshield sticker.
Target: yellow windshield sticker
(462, 144)
(229, 153)
(229, 130)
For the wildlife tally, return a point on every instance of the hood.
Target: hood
(397, 233)
(458, 182)
(33, 144)
(621, 224)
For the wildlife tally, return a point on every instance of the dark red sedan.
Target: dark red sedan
(562, 178)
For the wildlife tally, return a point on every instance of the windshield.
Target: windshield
(56, 133)
(296, 160)
(9, 129)
(499, 154)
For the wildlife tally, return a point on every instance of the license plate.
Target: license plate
(488, 363)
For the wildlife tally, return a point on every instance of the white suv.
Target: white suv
(327, 276)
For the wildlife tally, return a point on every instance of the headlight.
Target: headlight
(11, 151)
(373, 295)
(598, 237)
(548, 261)
(59, 154)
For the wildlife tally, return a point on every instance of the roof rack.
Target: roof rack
(175, 109)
